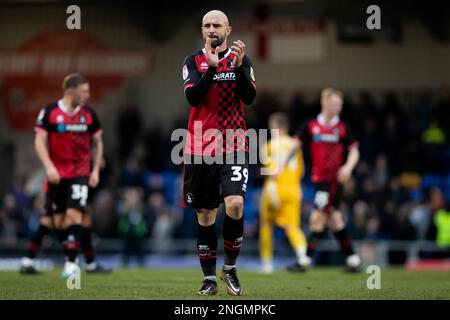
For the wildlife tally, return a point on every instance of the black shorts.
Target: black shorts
(328, 196)
(206, 185)
(47, 209)
(68, 194)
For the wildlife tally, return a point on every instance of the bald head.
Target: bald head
(216, 16)
(215, 25)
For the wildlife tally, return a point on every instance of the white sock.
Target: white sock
(267, 262)
(267, 266)
(301, 254)
(212, 278)
(228, 267)
(91, 266)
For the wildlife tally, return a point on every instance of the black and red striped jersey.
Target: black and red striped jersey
(328, 145)
(69, 137)
(217, 96)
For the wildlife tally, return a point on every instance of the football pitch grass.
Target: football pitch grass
(172, 284)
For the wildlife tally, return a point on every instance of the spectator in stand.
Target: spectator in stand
(402, 230)
(104, 217)
(132, 173)
(8, 229)
(443, 112)
(433, 143)
(162, 223)
(128, 128)
(358, 222)
(438, 207)
(132, 225)
(369, 140)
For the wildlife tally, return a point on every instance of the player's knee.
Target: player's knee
(265, 223)
(234, 206)
(337, 222)
(73, 217)
(58, 221)
(46, 222)
(86, 220)
(206, 220)
(206, 217)
(292, 229)
(317, 227)
(317, 222)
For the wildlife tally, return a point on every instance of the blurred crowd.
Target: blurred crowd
(399, 188)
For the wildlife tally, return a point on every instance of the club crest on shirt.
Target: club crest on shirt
(189, 198)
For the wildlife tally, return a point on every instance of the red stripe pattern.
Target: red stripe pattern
(204, 252)
(234, 246)
(72, 245)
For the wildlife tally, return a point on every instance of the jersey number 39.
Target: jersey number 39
(80, 193)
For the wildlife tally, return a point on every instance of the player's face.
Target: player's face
(333, 105)
(81, 94)
(216, 28)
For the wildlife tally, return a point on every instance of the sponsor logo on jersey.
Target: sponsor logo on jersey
(72, 128)
(204, 65)
(326, 138)
(59, 118)
(224, 76)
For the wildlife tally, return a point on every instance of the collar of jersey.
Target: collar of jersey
(66, 110)
(333, 121)
(227, 52)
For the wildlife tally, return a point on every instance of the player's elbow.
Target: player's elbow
(97, 144)
(192, 97)
(38, 143)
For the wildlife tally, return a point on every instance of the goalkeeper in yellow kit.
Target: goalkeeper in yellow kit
(282, 195)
